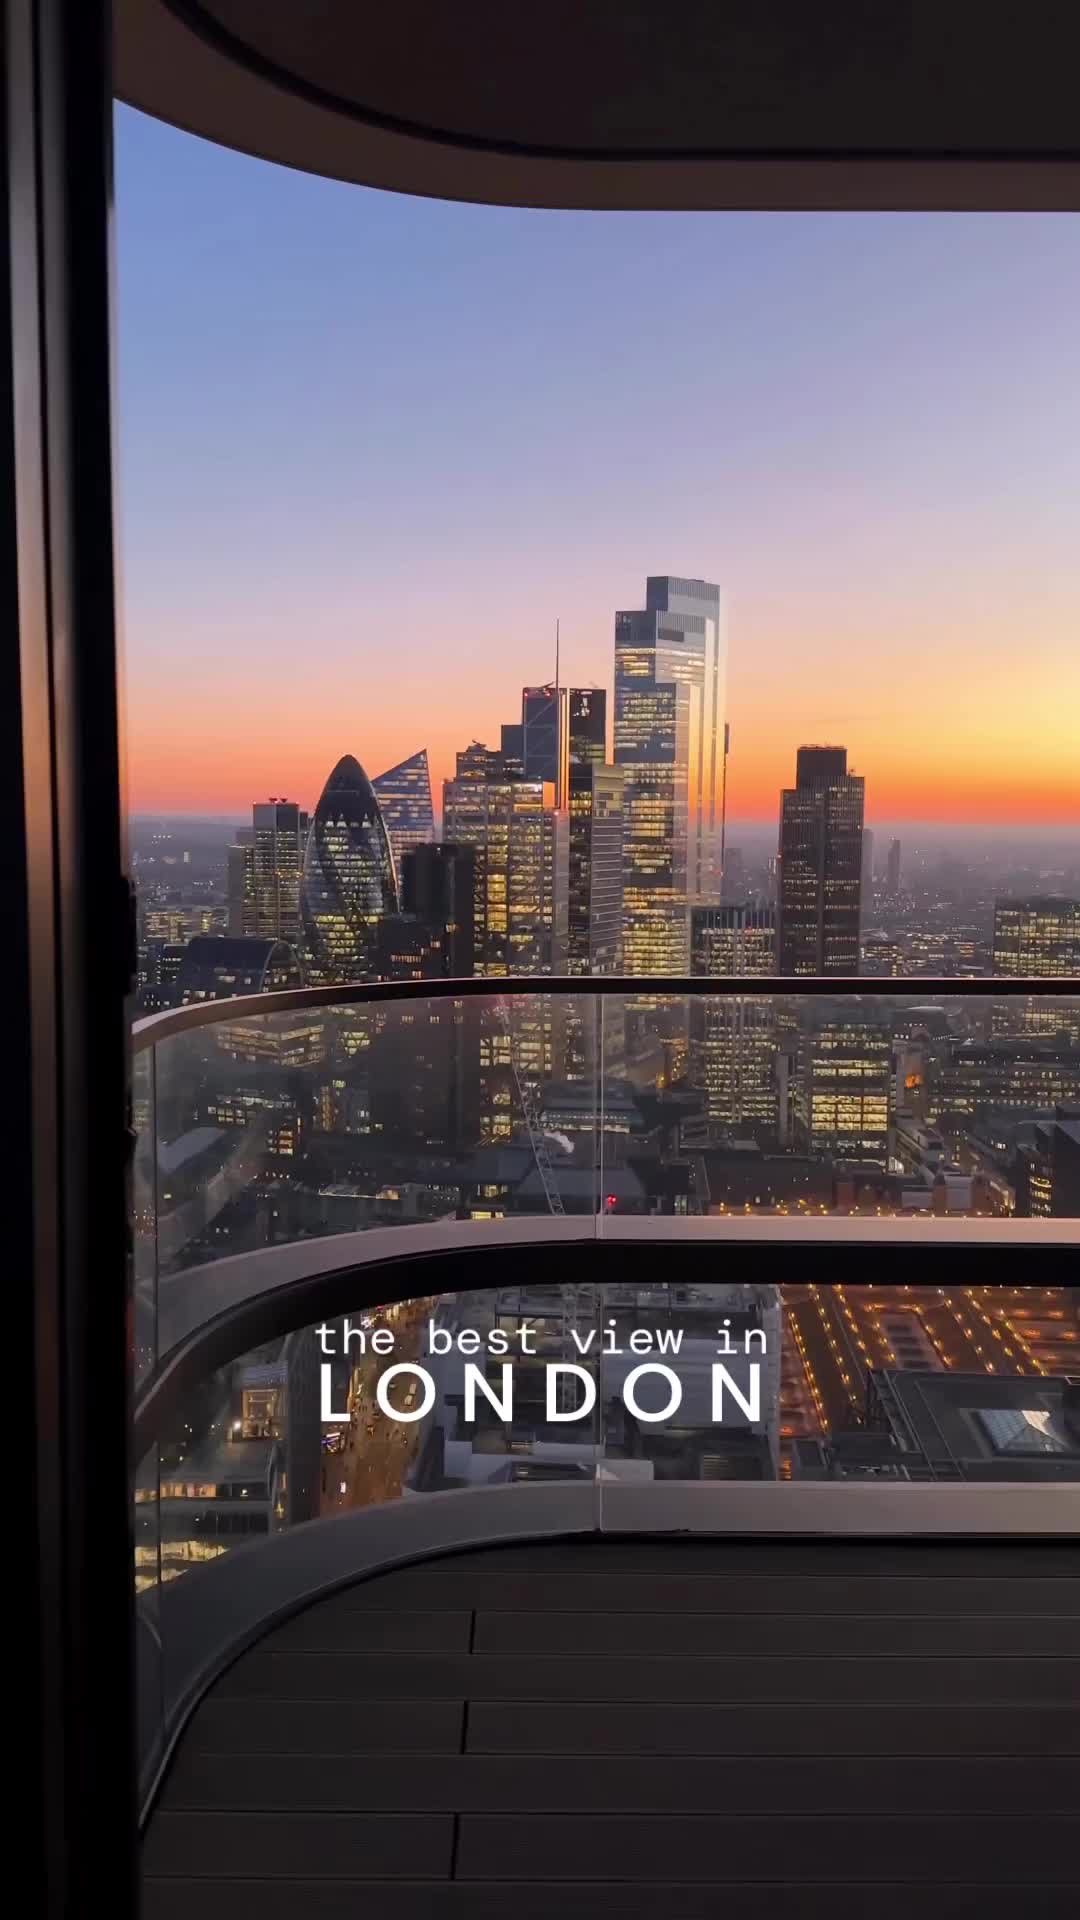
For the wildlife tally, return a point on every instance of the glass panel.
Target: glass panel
(897, 1383)
(277, 1128)
(873, 1104)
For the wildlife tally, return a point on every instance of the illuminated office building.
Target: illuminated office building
(404, 796)
(821, 847)
(842, 1087)
(180, 924)
(476, 762)
(595, 882)
(595, 885)
(733, 1039)
(594, 906)
(348, 881)
(1048, 1170)
(669, 729)
(217, 967)
(1039, 938)
(1036, 1073)
(587, 726)
(265, 870)
(159, 965)
(519, 846)
(280, 830)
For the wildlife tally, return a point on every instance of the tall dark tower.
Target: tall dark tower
(348, 882)
(544, 736)
(594, 792)
(821, 843)
(437, 888)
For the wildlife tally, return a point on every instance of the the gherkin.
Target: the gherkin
(348, 880)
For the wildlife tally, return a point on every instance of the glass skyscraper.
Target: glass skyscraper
(821, 852)
(595, 888)
(265, 867)
(544, 736)
(348, 879)
(669, 729)
(520, 847)
(404, 796)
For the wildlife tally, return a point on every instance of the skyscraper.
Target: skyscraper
(477, 763)
(240, 883)
(348, 881)
(892, 869)
(594, 796)
(279, 837)
(821, 831)
(841, 1096)
(587, 725)
(595, 869)
(265, 867)
(512, 749)
(438, 887)
(1039, 937)
(733, 1039)
(544, 736)
(669, 728)
(519, 844)
(404, 796)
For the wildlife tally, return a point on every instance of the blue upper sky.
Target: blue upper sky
(372, 446)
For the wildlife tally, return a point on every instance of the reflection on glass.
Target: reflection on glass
(267, 1129)
(682, 1380)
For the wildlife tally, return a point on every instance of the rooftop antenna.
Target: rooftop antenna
(723, 806)
(560, 797)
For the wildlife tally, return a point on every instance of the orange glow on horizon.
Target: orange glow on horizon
(982, 734)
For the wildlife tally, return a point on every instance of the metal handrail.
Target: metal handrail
(162, 1026)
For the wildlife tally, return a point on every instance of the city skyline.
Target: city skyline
(374, 447)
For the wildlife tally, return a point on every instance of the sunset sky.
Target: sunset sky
(372, 447)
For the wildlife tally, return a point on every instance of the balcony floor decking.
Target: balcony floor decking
(595, 1727)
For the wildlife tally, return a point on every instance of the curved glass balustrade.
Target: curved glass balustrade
(280, 1121)
(741, 1252)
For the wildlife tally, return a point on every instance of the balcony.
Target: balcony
(397, 1641)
